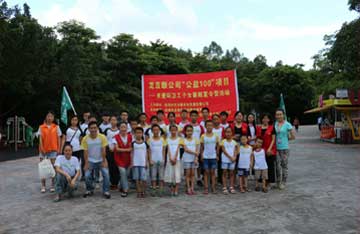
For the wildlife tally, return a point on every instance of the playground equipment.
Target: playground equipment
(18, 133)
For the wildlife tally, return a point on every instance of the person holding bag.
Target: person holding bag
(49, 144)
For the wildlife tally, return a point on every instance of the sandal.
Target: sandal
(193, 192)
(265, 190)
(57, 199)
(206, 192)
(257, 189)
(232, 190)
(225, 191)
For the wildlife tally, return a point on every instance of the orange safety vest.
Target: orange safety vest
(49, 138)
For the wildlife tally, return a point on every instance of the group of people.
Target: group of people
(204, 151)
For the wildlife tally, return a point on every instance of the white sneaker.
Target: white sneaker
(282, 186)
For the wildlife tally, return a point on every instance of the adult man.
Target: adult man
(94, 146)
(84, 125)
(124, 117)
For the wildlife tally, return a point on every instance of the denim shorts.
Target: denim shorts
(157, 171)
(210, 164)
(49, 155)
(189, 165)
(227, 166)
(139, 173)
(243, 172)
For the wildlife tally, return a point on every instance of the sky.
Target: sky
(287, 30)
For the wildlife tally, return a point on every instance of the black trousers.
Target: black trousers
(271, 162)
(80, 156)
(113, 169)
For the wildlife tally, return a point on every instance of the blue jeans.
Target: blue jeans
(123, 182)
(89, 178)
(62, 185)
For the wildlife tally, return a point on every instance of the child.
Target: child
(261, 168)
(205, 112)
(223, 116)
(142, 121)
(67, 173)
(133, 125)
(157, 146)
(184, 119)
(105, 122)
(122, 157)
(140, 159)
(244, 164)
(172, 118)
(153, 120)
(191, 152)
(230, 150)
(209, 155)
(198, 131)
(161, 115)
(251, 129)
(173, 166)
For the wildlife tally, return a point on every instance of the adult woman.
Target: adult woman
(49, 145)
(251, 128)
(73, 137)
(267, 132)
(284, 133)
(239, 127)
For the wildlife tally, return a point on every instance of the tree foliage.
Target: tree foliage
(36, 61)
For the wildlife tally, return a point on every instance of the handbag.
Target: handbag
(46, 169)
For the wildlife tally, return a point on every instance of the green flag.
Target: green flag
(66, 105)
(282, 105)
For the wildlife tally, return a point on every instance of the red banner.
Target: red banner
(172, 93)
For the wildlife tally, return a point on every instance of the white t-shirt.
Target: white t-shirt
(260, 161)
(190, 145)
(252, 134)
(198, 130)
(69, 166)
(156, 148)
(83, 126)
(167, 130)
(139, 153)
(104, 126)
(224, 125)
(73, 135)
(219, 132)
(173, 145)
(110, 133)
(230, 147)
(182, 124)
(244, 158)
(209, 145)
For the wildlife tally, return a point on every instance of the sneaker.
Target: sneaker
(71, 194)
(88, 194)
(153, 192)
(282, 186)
(107, 195)
(199, 183)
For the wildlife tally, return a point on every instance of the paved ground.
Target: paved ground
(323, 196)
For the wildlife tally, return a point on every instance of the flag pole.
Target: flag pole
(67, 94)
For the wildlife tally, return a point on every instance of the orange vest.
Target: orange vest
(49, 137)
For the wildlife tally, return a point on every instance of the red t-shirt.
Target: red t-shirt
(123, 159)
(267, 138)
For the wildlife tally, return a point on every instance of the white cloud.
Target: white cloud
(264, 31)
(177, 23)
